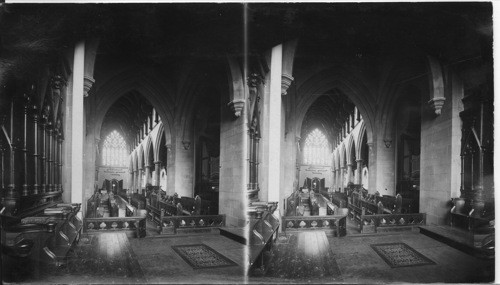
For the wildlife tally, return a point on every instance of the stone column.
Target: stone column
(273, 128)
(336, 183)
(25, 190)
(11, 197)
(77, 123)
(148, 174)
(332, 187)
(132, 181)
(349, 172)
(139, 180)
(359, 171)
(49, 163)
(43, 167)
(157, 172)
(342, 171)
(136, 181)
(60, 140)
(2, 166)
(36, 155)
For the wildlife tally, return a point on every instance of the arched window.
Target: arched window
(114, 151)
(316, 150)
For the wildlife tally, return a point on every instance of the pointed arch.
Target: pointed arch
(342, 79)
(359, 140)
(156, 90)
(350, 146)
(157, 142)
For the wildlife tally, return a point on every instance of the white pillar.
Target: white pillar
(77, 124)
(274, 130)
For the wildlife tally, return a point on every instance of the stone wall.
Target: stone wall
(233, 154)
(440, 158)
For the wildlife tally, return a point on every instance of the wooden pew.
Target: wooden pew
(262, 236)
(46, 238)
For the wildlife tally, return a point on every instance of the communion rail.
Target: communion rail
(390, 222)
(134, 226)
(191, 224)
(331, 224)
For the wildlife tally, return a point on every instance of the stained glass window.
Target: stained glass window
(316, 150)
(114, 151)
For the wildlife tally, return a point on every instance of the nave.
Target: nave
(332, 130)
(113, 258)
(355, 262)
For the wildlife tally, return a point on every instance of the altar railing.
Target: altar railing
(381, 222)
(334, 224)
(176, 224)
(134, 226)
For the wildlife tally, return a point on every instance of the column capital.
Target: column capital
(286, 81)
(236, 106)
(388, 142)
(359, 160)
(87, 85)
(57, 82)
(255, 79)
(437, 104)
(186, 144)
(157, 162)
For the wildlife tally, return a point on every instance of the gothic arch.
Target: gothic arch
(397, 80)
(359, 140)
(341, 79)
(148, 85)
(350, 146)
(156, 145)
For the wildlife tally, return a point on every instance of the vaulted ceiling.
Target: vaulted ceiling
(127, 116)
(328, 114)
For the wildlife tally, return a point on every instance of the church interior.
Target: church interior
(247, 143)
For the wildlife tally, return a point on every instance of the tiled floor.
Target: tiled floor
(359, 263)
(152, 260)
(161, 264)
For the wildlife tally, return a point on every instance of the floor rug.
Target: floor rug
(400, 255)
(202, 256)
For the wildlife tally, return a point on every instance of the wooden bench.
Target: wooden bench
(262, 236)
(463, 215)
(44, 239)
